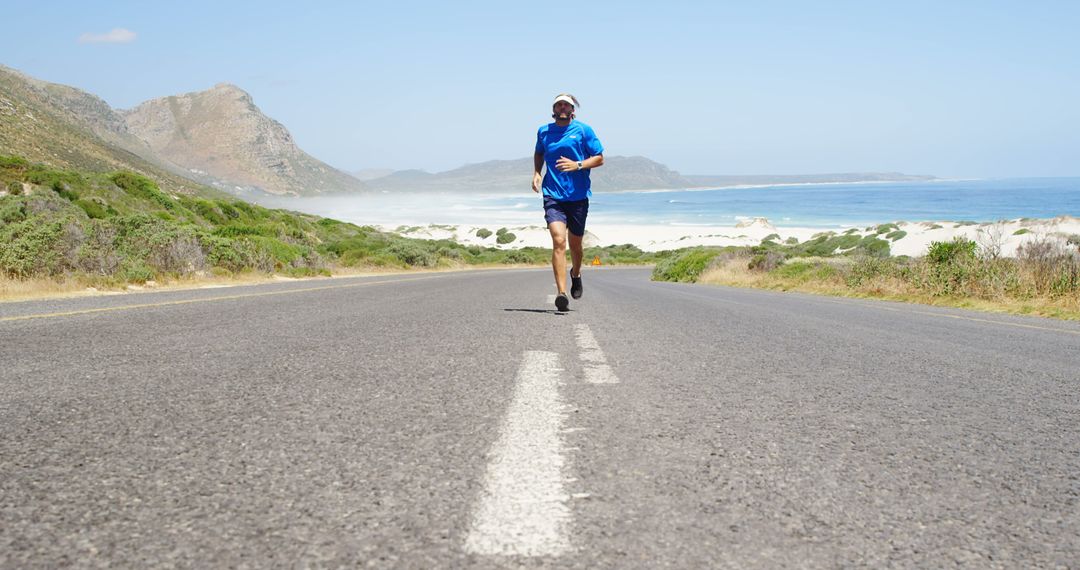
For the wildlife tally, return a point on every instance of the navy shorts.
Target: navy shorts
(572, 214)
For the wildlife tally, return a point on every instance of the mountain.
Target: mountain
(221, 133)
(371, 173)
(68, 128)
(618, 173)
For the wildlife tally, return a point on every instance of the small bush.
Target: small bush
(517, 256)
(684, 266)
(765, 261)
(92, 209)
(1021, 232)
(64, 191)
(867, 268)
(895, 235)
(943, 252)
(12, 211)
(142, 187)
(886, 228)
(805, 271)
(13, 162)
(14, 188)
(483, 233)
(227, 209)
(138, 273)
(413, 253)
(873, 246)
(505, 238)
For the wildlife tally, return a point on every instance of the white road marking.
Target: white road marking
(597, 370)
(523, 510)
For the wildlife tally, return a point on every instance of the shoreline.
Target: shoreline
(906, 238)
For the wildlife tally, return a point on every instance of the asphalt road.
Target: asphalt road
(455, 420)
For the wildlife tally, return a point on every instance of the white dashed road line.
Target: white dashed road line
(597, 370)
(523, 510)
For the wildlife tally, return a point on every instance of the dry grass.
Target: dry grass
(12, 290)
(734, 272)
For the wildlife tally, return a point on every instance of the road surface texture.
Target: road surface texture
(455, 420)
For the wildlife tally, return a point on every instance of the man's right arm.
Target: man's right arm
(538, 168)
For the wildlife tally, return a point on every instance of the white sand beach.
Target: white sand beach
(910, 238)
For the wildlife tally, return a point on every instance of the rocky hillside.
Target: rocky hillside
(222, 134)
(68, 128)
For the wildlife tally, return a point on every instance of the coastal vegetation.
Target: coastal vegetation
(111, 230)
(1043, 279)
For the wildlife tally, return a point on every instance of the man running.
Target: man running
(570, 149)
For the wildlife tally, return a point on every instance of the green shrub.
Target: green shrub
(232, 254)
(684, 266)
(765, 261)
(944, 252)
(505, 238)
(517, 256)
(413, 253)
(64, 191)
(483, 233)
(142, 187)
(138, 273)
(953, 265)
(281, 252)
(867, 268)
(1021, 232)
(13, 162)
(794, 269)
(804, 271)
(92, 209)
(238, 230)
(208, 211)
(886, 228)
(12, 211)
(895, 235)
(873, 246)
(14, 188)
(32, 247)
(792, 240)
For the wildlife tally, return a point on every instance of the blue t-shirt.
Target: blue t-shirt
(576, 141)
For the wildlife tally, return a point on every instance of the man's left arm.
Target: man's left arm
(594, 151)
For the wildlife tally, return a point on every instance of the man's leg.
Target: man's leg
(576, 253)
(558, 254)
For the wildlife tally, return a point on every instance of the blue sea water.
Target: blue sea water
(802, 205)
(832, 205)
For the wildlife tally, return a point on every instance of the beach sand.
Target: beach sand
(1007, 235)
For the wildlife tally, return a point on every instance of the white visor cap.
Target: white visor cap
(568, 98)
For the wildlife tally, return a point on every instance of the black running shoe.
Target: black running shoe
(575, 287)
(562, 302)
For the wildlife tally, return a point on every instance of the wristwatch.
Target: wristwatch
(579, 165)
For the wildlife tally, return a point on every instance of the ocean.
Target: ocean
(798, 205)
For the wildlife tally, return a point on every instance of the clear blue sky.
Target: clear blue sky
(956, 88)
